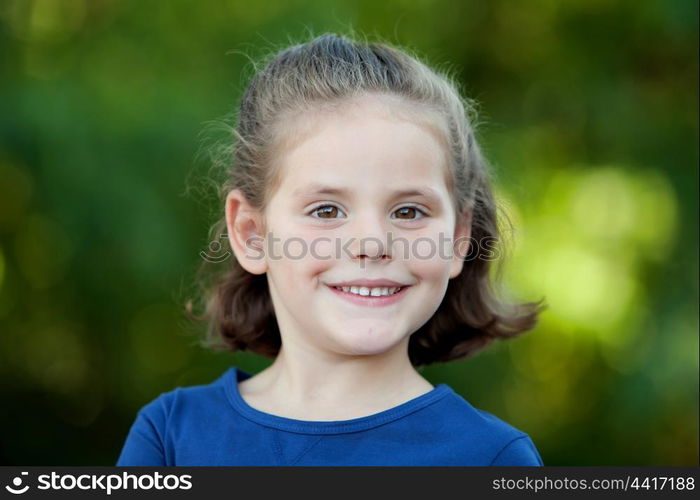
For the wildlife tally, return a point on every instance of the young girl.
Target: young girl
(359, 210)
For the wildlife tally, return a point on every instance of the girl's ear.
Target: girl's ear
(462, 242)
(245, 226)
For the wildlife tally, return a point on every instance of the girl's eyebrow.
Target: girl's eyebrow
(316, 189)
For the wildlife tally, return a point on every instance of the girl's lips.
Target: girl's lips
(368, 300)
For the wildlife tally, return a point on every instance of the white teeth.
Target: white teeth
(366, 291)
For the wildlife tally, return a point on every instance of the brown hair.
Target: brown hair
(332, 69)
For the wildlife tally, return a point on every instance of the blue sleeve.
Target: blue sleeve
(144, 443)
(519, 451)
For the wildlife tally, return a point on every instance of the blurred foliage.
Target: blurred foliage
(588, 115)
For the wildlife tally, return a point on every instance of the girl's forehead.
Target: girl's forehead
(365, 143)
(364, 151)
(296, 126)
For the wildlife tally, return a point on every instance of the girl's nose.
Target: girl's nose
(370, 248)
(369, 238)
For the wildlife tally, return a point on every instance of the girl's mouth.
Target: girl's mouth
(370, 296)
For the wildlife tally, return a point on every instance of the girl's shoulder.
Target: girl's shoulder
(480, 429)
(457, 408)
(186, 398)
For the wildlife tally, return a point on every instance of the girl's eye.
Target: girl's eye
(409, 213)
(333, 212)
(326, 212)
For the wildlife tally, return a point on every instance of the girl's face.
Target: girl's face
(363, 197)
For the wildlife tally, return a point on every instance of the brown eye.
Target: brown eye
(408, 213)
(326, 212)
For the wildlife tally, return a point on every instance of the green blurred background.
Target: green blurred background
(589, 114)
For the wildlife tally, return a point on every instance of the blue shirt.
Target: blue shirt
(213, 425)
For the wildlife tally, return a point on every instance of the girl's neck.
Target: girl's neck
(298, 387)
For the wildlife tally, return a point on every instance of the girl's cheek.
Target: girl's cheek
(320, 256)
(315, 245)
(424, 248)
(428, 256)
(322, 248)
(431, 243)
(431, 253)
(288, 241)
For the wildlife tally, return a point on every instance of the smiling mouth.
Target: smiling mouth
(363, 291)
(369, 292)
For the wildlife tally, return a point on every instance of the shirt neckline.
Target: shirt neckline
(234, 375)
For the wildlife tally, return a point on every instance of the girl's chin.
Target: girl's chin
(371, 342)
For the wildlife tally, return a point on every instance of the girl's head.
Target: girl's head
(355, 162)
